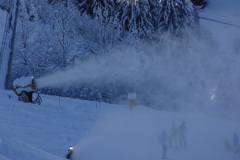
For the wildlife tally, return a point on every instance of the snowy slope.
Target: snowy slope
(46, 128)
(29, 131)
(106, 132)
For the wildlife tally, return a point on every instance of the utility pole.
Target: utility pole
(13, 14)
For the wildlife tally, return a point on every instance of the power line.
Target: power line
(217, 21)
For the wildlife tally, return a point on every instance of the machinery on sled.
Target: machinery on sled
(24, 88)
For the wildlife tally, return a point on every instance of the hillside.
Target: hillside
(29, 131)
(101, 131)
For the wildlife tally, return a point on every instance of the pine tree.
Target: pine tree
(95, 8)
(135, 18)
(154, 8)
(176, 15)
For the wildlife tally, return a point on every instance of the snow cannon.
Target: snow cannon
(70, 152)
(132, 97)
(24, 88)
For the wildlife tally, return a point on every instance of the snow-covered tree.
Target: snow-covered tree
(28, 53)
(94, 7)
(176, 15)
(57, 1)
(6, 4)
(135, 18)
(99, 35)
(144, 19)
(154, 8)
(31, 9)
(64, 35)
(52, 45)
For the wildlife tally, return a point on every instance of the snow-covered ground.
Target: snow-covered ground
(30, 131)
(104, 131)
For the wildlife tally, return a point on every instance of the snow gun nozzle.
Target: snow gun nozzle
(70, 148)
